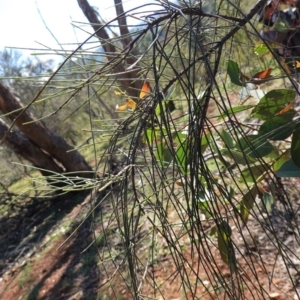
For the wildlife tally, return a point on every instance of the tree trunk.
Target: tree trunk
(128, 81)
(48, 142)
(23, 147)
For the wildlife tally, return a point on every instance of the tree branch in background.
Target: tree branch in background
(42, 137)
(125, 34)
(91, 15)
(124, 31)
(128, 81)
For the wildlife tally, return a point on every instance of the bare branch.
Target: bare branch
(100, 31)
(126, 38)
(129, 80)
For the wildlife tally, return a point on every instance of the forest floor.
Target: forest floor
(45, 255)
(48, 251)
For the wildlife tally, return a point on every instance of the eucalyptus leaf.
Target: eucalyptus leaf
(205, 139)
(272, 103)
(227, 139)
(288, 169)
(226, 247)
(233, 71)
(239, 157)
(181, 156)
(250, 174)
(295, 147)
(279, 127)
(255, 146)
(268, 201)
(280, 161)
(247, 203)
(163, 154)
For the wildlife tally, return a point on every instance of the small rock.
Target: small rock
(296, 297)
(274, 295)
(77, 296)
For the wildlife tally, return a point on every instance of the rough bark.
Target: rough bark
(128, 81)
(45, 139)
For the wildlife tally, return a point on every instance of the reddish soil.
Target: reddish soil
(57, 273)
(78, 270)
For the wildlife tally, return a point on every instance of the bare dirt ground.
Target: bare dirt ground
(35, 264)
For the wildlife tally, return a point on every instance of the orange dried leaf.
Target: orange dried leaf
(145, 90)
(297, 64)
(131, 104)
(263, 74)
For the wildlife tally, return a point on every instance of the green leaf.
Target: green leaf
(247, 203)
(230, 191)
(280, 161)
(234, 110)
(159, 108)
(261, 49)
(226, 246)
(166, 103)
(227, 139)
(180, 137)
(272, 103)
(239, 157)
(150, 136)
(278, 128)
(295, 147)
(163, 107)
(268, 200)
(205, 142)
(254, 146)
(154, 134)
(181, 141)
(213, 231)
(163, 154)
(214, 146)
(181, 156)
(233, 71)
(250, 174)
(288, 169)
